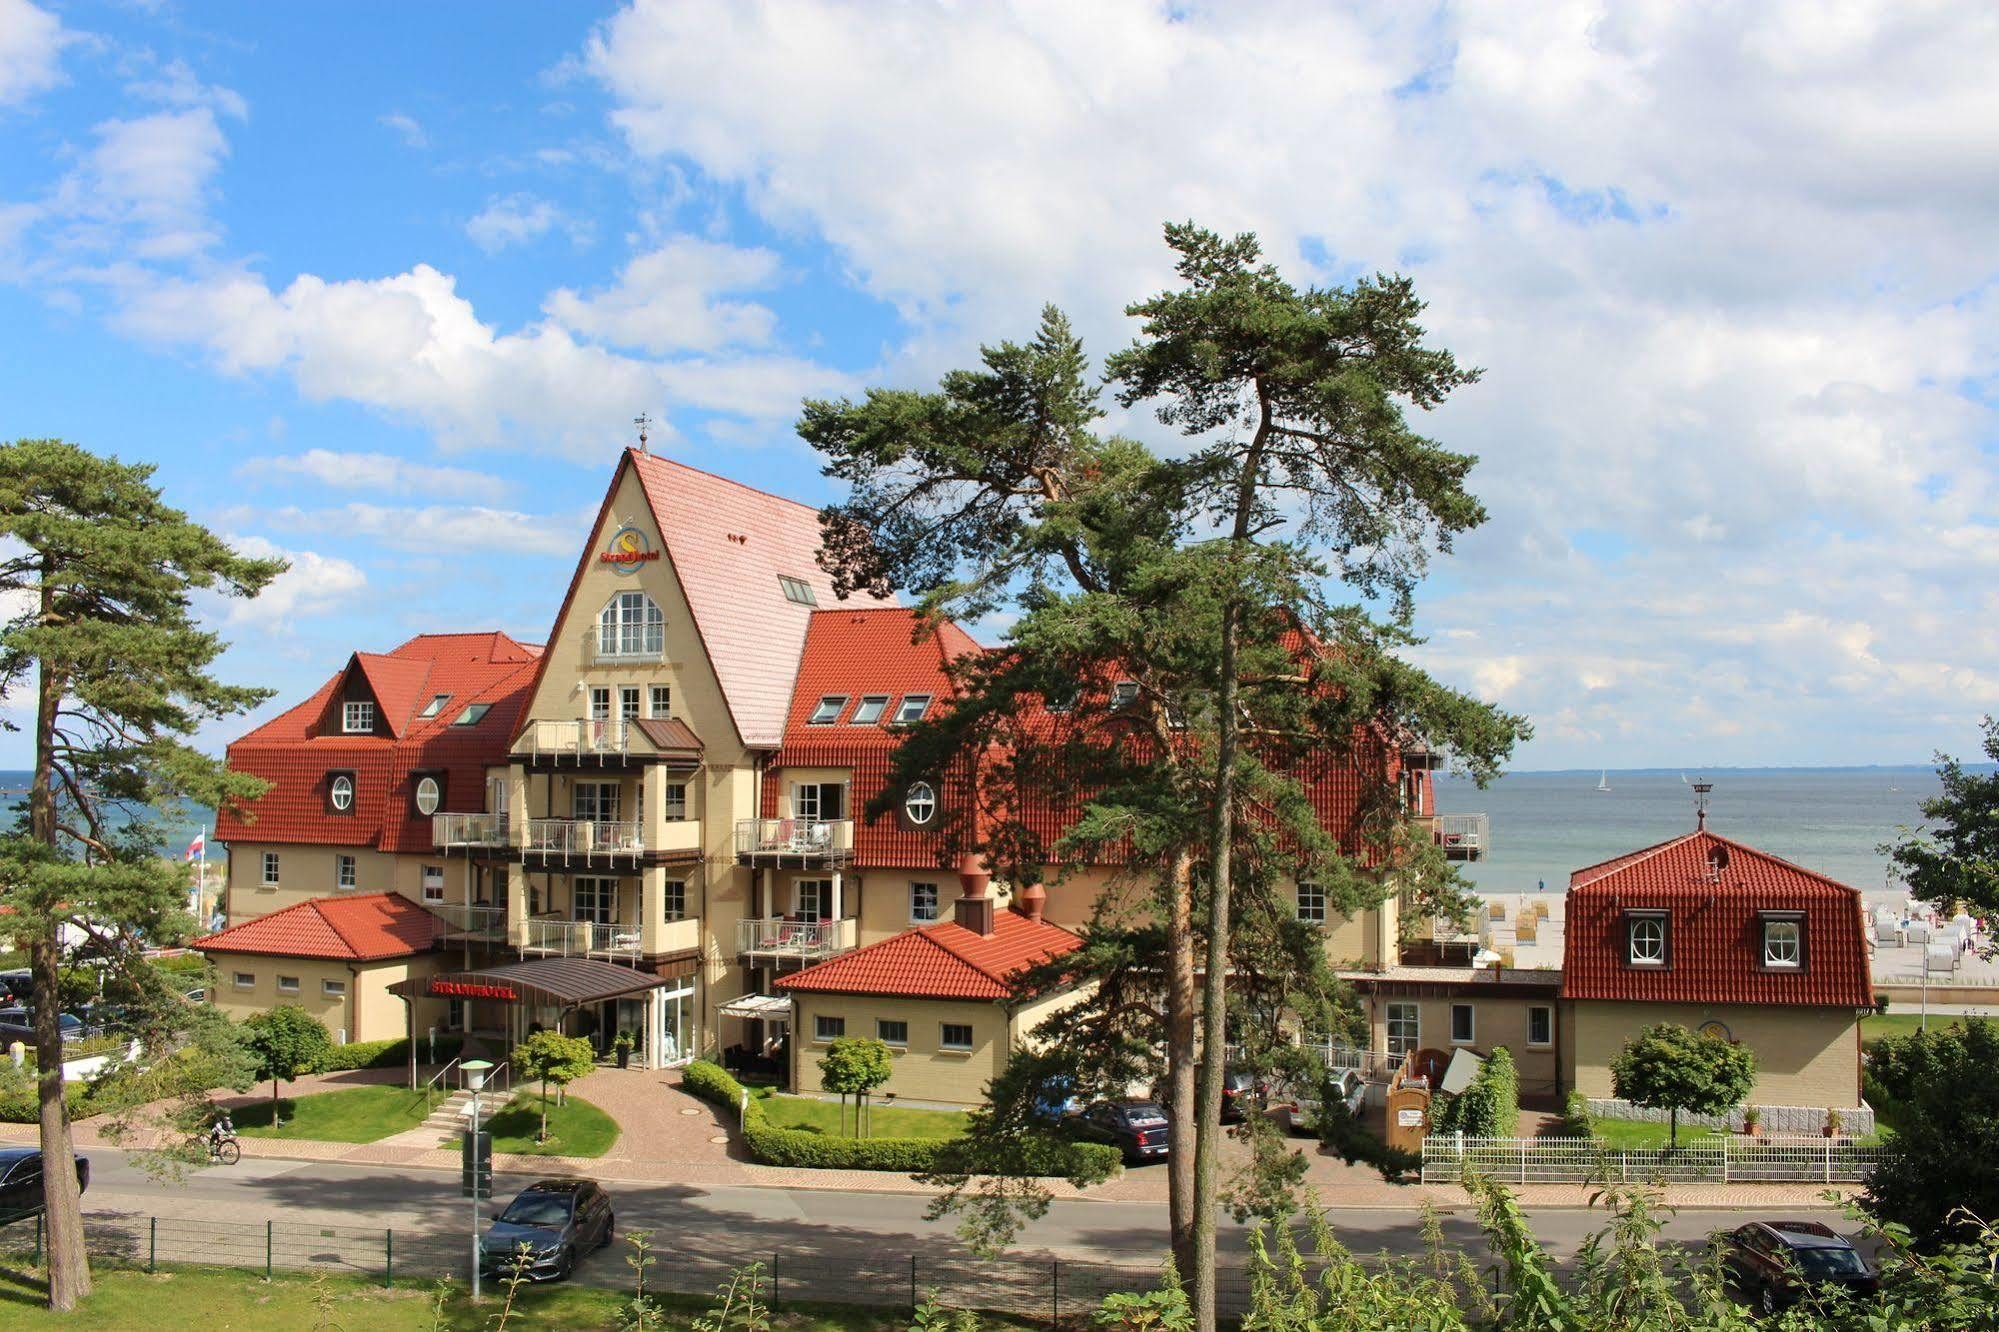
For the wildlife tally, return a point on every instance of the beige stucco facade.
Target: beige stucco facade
(361, 1010)
(306, 872)
(1804, 1056)
(1496, 1020)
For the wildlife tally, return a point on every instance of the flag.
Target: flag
(198, 848)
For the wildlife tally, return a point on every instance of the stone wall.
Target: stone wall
(1782, 1120)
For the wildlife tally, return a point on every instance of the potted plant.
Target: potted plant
(1832, 1124)
(623, 1047)
(1751, 1117)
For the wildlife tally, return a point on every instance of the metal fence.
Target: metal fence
(1447, 1158)
(835, 1273)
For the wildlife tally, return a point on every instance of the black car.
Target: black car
(17, 986)
(1241, 1093)
(1137, 1128)
(1772, 1262)
(556, 1220)
(21, 1182)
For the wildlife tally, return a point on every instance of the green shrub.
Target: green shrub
(1575, 1114)
(1488, 1107)
(711, 1082)
(386, 1054)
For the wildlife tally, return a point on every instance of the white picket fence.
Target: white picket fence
(1821, 1160)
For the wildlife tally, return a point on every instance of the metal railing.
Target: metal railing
(794, 938)
(640, 643)
(585, 737)
(469, 922)
(807, 839)
(583, 938)
(1463, 836)
(1446, 1158)
(468, 829)
(583, 837)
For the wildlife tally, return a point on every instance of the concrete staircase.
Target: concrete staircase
(454, 1112)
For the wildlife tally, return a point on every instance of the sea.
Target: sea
(178, 827)
(1833, 820)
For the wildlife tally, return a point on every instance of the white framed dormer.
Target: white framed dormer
(357, 717)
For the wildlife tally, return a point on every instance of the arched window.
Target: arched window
(342, 793)
(920, 802)
(631, 625)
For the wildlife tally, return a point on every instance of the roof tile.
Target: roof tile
(942, 961)
(346, 929)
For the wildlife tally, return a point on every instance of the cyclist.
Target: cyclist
(220, 1132)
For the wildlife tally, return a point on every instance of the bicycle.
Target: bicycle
(220, 1151)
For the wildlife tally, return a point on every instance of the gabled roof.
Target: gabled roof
(344, 929)
(854, 652)
(1715, 892)
(397, 684)
(942, 961)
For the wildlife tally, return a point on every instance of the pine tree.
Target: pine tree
(103, 573)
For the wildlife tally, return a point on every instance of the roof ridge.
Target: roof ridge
(1632, 857)
(728, 480)
(1806, 870)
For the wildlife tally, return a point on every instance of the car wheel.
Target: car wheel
(568, 1267)
(1766, 1300)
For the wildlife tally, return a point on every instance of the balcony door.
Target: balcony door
(594, 899)
(596, 802)
(815, 802)
(812, 899)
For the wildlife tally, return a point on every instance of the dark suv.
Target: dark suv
(1772, 1262)
(21, 1182)
(1137, 1128)
(546, 1228)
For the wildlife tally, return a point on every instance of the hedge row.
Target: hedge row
(773, 1144)
(385, 1054)
(1489, 1106)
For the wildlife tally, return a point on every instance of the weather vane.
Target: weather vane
(644, 423)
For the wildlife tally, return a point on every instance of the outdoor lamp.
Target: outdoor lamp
(475, 1071)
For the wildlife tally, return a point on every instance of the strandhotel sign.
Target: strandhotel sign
(628, 549)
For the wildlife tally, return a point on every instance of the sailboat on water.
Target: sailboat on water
(1603, 782)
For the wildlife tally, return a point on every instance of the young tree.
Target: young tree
(287, 1042)
(855, 1066)
(549, 1056)
(1957, 860)
(1668, 1067)
(99, 577)
(1944, 1155)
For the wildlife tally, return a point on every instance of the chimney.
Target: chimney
(1033, 901)
(974, 909)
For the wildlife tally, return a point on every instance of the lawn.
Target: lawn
(884, 1121)
(575, 1127)
(353, 1114)
(1639, 1134)
(1877, 1025)
(245, 1302)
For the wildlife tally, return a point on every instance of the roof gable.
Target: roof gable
(397, 684)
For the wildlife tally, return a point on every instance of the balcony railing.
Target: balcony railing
(582, 938)
(583, 838)
(586, 737)
(799, 939)
(811, 840)
(468, 830)
(633, 644)
(1463, 836)
(469, 922)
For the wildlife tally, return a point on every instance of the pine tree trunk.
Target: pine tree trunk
(1214, 991)
(1181, 1006)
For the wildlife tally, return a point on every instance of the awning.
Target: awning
(550, 980)
(764, 1007)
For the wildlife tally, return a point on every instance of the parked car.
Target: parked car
(1138, 1128)
(1772, 1262)
(18, 1024)
(1298, 1109)
(17, 986)
(21, 1182)
(1057, 1099)
(556, 1220)
(1241, 1093)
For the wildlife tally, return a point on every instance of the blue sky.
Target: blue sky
(387, 302)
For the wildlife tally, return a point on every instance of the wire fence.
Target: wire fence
(1054, 1289)
(1447, 1158)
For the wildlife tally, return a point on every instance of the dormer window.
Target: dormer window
(1783, 941)
(1124, 693)
(911, 709)
(474, 713)
(920, 803)
(798, 590)
(357, 718)
(429, 795)
(870, 709)
(827, 711)
(435, 706)
(1061, 700)
(1645, 938)
(340, 793)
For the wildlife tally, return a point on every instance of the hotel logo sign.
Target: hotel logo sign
(628, 549)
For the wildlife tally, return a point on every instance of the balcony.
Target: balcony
(633, 644)
(582, 938)
(584, 839)
(585, 738)
(1463, 836)
(793, 940)
(449, 830)
(476, 923)
(804, 843)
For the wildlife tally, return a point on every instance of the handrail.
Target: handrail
(433, 1080)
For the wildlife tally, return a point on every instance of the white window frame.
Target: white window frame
(631, 626)
(917, 914)
(433, 883)
(243, 980)
(1653, 928)
(596, 807)
(673, 802)
(341, 794)
(1470, 1015)
(920, 795)
(659, 701)
(429, 788)
(496, 796)
(808, 801)
(629, 698)
(826, 1028)
(1796, 929)
(1312, 903)
(333, 989)
(287, 985)
(346, 873)
(797, 590)
(821, 892)
(1547, 1012)
(600, 702)
(827, 710)
(673, 899)
(946, 1044)
(912, 708)
(899, 1042)
(1403, 1013)
(357, 711)
(596, 903)
(270, 879)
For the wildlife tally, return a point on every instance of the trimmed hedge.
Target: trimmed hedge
(384, 1054)
(774, 1145)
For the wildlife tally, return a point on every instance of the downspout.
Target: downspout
(353, 1003)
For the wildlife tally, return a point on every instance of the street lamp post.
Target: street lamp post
(475, 1071)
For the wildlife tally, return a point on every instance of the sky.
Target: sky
(386, 298)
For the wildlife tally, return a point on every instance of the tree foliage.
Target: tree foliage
(854, 1066)
(1955, 857)
(550, 1057)
(286, 1042)
(1942, 1090)
(1489, 1106)
(1668, 1067)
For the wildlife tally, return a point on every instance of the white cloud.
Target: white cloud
(406, 127)
(313, 585)
(670, 299)
(380, 473)
(517, 219)
(443, 528)
(31, 42)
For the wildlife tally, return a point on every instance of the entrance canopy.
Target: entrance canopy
(559, 981)
(766, 1007)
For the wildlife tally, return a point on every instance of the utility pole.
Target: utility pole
(475, 1078)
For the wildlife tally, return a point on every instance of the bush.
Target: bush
(385, 1054)
(774, 1145)
(1489, 1107)
(1575, 1114)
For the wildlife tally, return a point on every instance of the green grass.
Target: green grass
(245, 1302)
(1875, 1026)
(353, 1114)
(1638, 1134)
(884, 1121)
(575, 1127)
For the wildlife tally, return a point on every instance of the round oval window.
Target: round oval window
(921, 803)
(426, 796)
(343, 793)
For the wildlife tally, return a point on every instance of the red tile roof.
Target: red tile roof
(942, 961)
(344, 929)
(1714, 890)
(291, 752)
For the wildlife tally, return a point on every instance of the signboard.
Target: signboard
(458, 989)
(1409, 1119)
(628, 549)
(1718, 1030)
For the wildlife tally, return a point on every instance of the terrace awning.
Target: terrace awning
(763, 1007)
(560, 981)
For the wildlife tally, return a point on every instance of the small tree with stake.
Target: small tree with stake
(549, 1056)
(855, 1065)
(287, 1041)
(1668, 1067)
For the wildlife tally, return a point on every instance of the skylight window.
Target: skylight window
(435, 706)
(912, 708)
(870, 709)
(798, 590)
(828, 710)
(474, 713)
(1124, 693)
